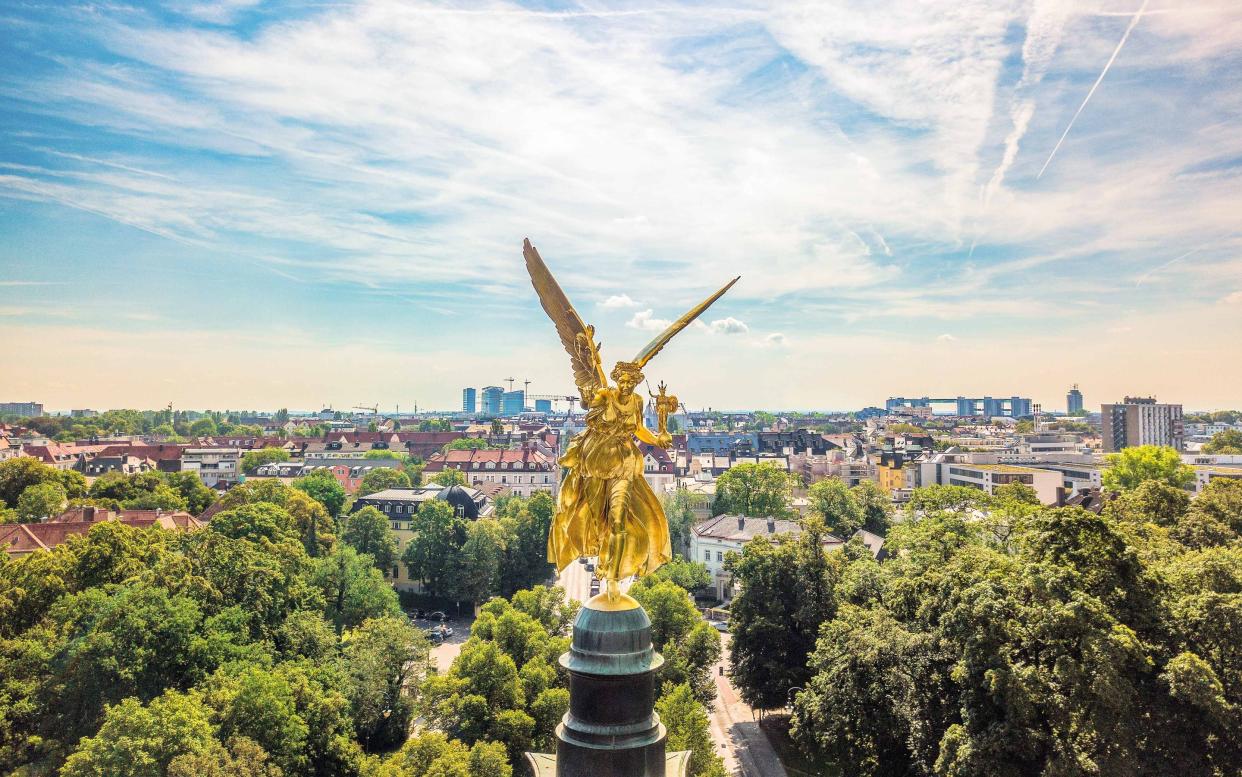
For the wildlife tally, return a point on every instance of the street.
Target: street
(742, 744)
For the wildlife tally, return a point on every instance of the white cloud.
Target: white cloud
(775, 339)
(643, 319)
(1233, 299)
(729, 326)
(946, 338)
(619, 301)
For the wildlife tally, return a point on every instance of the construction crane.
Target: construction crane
(526, 387)
(373, 408)
(509, 381)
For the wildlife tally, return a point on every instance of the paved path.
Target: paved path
(745, 750)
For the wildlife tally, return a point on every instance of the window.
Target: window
(719, 556)
(395, 571)
(707, 555)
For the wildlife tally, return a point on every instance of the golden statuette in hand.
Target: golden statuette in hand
(605, 508)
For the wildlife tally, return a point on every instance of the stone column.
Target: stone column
(611, 729)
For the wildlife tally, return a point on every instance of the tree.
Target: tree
(432, 554)
(1132, 466)
(367, 531)
(1226, 442)
(204, 427)
(242, 758)
(876, 506)
(834, 503)
(138, 741)
(449, 477)
(679, 510)
(382, 478)
(481, 557)
(688, 729)
(252, 460)
(380, 454)
(325, 489)
(353, 589)
(18, 474)
(260, 704)
(40, 501)
(786, 594)
(198, 497)
(690, 575)
(753, 489)
(384, 657)
(526, 523)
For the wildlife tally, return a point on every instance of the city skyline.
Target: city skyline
(252, 204)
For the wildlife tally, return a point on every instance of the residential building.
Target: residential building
(64, 455)
(20, 539)
(400, 505)
(468, 403)
(1141, 421)
(1206, 473)
(1073, 401)
(493, 398)
(348, 472)
(712, 541)
(24, 409)
(525, 470)
(658, 468)
(127, 458)
(989, 477)
(216, 467)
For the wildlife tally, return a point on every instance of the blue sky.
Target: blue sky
(256, 204)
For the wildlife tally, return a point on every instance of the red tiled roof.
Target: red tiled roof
(478, 459)
(157, 452)
(21, 538)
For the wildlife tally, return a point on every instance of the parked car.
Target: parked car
(582, 559)
(590, 567)
(437, 615)
(721, 626)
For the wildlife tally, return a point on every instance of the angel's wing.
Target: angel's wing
(577, 337)
(653, 347)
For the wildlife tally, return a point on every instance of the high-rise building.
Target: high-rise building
(492, 397)
(27, 409)
(468, 403)
(1073, 401)
(1141, 421)
(514, 402)
(543, 406)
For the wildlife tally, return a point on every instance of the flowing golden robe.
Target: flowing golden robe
(605, 506)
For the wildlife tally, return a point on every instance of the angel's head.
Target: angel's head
(627, 375)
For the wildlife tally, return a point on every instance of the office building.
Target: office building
(543, 406)
(1073, 401)
(492, 397)
(1141, 421)
(513, 402)
(468, 402)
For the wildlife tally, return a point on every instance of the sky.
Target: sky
(245, 204)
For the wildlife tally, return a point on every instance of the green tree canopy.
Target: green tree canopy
(252, 460)
(834, 503)
(382, 478)
(449, 477)
(1132, 466)
(367, 531)
(1227, 442)
(753, 489)
(41, 501)
(322, 486)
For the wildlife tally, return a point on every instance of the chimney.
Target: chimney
(771, 525)
(741, 522)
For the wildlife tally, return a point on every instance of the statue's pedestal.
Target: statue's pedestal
(611, 729)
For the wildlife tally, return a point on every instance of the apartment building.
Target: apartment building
(1141, 421)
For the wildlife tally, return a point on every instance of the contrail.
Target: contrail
(1129, 28)
(1152, 272)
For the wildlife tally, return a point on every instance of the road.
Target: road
(743, 745)
(576, 581)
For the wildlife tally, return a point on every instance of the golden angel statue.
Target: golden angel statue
(605, 507)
